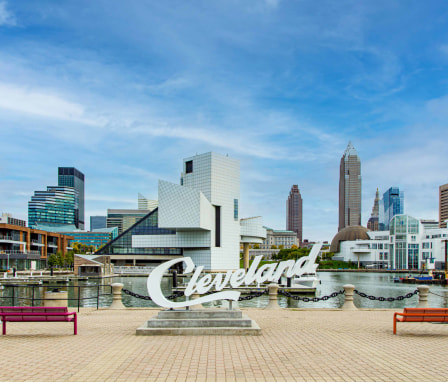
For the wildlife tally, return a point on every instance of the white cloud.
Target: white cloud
(6, 17)
(41, 103)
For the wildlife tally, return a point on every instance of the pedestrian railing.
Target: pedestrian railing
(10, 296)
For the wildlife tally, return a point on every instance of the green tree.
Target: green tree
(256, 246)
(273, 246)
(52, 260)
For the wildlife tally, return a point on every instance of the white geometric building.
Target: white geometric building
(197, 219)
(407, 245)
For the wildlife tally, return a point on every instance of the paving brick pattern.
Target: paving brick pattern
(296, 345)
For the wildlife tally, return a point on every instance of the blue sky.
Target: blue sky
(125, 91)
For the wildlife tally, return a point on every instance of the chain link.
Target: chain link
(388, 299)
(308, 299)
(136, 295)
(435, 294)
(253, 295)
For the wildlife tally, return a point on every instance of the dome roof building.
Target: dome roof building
(348, 234)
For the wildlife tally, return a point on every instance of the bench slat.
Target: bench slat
(37, 314)
(420, 315)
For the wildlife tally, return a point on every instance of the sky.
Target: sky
(123, 91)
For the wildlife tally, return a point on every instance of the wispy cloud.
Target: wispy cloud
(6, 17)
(41, 103)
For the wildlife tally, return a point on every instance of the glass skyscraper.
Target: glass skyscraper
(392, 204)
(350, 189)
(56, 206)
(97, 222)
(71, 177)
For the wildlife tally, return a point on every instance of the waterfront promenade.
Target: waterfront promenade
(295, 345)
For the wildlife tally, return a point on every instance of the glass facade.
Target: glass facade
(404, 255)
(57, 205)
(392, 204)
(97, 222)
(71, 177)
(146, 226)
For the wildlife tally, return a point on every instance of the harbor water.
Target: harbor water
(373, 284)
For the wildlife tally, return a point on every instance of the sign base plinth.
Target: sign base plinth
(199, 323)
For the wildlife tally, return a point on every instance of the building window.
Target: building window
(189, 167)
(235, 209)
(217, 226)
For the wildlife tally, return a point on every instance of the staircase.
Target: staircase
(199, 322)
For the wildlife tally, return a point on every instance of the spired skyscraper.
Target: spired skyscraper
(373, 223)
(71, 177)
(294, 212)
(350, 189)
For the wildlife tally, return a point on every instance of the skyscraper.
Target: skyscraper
(443, 205)
(146, 204)
(392, 204)
(97, 222)
(373, 223)
(71, 177)
(294, 212)
(56, 206)
(350, 189)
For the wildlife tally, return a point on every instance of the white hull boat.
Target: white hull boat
(306, 280)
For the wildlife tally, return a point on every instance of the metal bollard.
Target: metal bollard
(273, 297)
(174, 279)
(348, 304)
(116, 296)
(423, 291)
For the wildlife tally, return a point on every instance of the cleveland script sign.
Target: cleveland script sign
(230, 279)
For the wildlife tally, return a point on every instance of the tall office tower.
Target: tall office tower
(146, 204)
(97, 222)
(443, 205)
(392, 204)
(71, 177)
(56, 206)
(373, 223)
(294, 212)
(124, 219)
(350, 189)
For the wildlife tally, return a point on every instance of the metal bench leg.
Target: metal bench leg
(4, 327)
(75, 325)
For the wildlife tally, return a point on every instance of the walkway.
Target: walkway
(296, 345)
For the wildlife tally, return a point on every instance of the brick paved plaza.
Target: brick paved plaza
(295, 345)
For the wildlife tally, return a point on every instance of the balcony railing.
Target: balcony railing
(9, 237)
(132, 270)
(19, 253)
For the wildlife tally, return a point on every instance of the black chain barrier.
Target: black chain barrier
(136, 295)
(388, 299)
(180, 294)
(308, 299)
(253, 295)
(438, 295)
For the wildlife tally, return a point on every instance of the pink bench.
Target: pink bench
(36, 314)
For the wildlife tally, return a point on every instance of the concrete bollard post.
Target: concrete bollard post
(273, 297)
(56, 298)
(195, 296)
(116, 296)
(348, 304)
(423, 291)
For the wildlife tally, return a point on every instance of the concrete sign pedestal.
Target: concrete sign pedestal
(199, 323)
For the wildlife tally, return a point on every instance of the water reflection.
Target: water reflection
(376, 284)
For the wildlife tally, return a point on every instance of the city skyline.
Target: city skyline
(124, 92)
